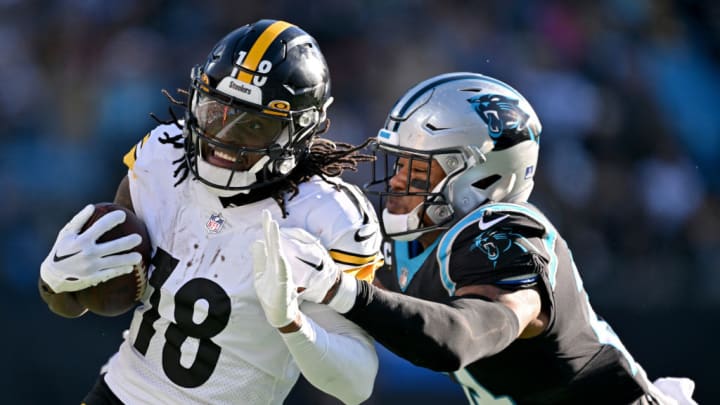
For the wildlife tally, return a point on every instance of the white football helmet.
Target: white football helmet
(482, 132)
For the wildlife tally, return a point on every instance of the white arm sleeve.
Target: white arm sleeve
(334, 354)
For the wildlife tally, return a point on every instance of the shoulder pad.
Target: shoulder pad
(523, 218)
(145, 150)
(342, 217)
(495, 242)
(491, 219)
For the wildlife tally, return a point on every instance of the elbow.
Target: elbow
(357, 392)
(366, 383)
(356, 386)
(358, 396)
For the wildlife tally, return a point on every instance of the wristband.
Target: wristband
(345, 295)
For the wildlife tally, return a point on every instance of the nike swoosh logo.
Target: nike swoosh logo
(57, 258)
(360, 237)
(487, 225)
(317, 267)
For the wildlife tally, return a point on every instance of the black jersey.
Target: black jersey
(578, 359)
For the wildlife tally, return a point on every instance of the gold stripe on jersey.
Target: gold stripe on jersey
(261, 45)
(353, 259)
(363, 267)
(367, 272)
(131, 157)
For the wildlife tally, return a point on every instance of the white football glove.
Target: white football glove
(273, 285)
(292, 265)
(77, 261)
(287, 261)
(312, 268)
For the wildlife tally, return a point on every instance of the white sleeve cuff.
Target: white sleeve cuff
(305, 335)
(346, 294)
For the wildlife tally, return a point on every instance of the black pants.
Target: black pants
(100, 394)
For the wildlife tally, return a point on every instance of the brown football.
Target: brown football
(118, 295)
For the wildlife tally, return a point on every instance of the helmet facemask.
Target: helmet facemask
(254, 107)
(434, 211)
(480, 131)
(234, 147)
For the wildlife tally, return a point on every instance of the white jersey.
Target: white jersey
(200, 335)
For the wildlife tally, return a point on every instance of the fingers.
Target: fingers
(109, 273)
(271, 231)
(259, 254)
(112, 247)
(80, 219)
(273, 248)
(266, 219)
(105, 223)
(62, 282)
(125, 259)
(272, 238)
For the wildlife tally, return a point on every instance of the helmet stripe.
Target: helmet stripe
(399, 111)
(261, 45)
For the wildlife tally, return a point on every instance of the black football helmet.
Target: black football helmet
(254, 106)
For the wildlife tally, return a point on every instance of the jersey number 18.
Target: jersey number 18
(184, 326)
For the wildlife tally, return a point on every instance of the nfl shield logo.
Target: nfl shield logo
(215, 223)
(403, 280)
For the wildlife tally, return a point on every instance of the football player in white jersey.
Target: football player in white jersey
(245, 163)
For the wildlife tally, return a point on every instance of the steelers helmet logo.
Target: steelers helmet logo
(279, 105)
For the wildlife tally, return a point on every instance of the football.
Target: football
(118, 295)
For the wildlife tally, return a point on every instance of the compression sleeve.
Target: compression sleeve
(334, 355)
(441, 337)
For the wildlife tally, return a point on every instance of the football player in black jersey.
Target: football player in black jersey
(481, 284)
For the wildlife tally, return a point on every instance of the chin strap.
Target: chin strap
(402, 224)
(219, 175)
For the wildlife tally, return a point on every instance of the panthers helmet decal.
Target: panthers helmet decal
(507, 122)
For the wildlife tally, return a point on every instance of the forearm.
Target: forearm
(433, 335)
(340, 362)
(122, 195)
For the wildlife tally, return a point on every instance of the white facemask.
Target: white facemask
(219, 175)
(395, 223)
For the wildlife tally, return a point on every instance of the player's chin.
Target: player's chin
(396, 207)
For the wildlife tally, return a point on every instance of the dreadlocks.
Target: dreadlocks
(324, 158)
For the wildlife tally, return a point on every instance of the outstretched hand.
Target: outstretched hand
(290, 265)
(77, 261)
(273, 284)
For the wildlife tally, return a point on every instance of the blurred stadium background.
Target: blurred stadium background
(627, 92)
